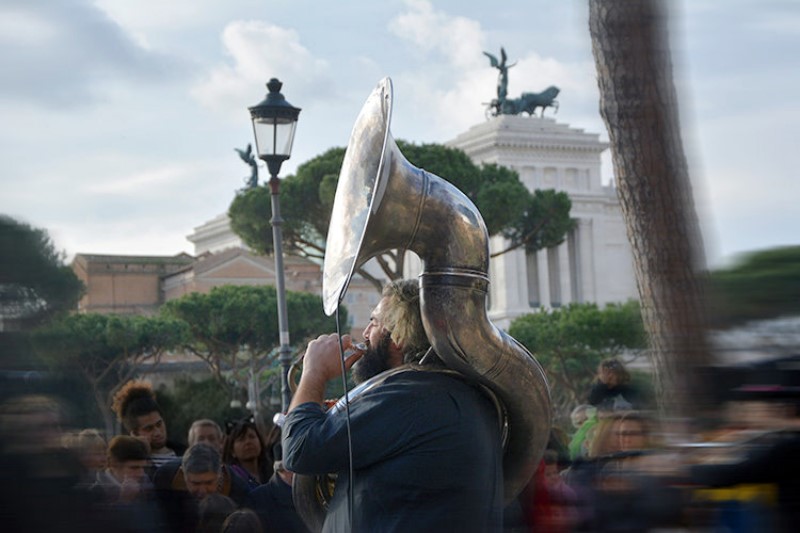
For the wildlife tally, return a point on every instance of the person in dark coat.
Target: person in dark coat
(273, 501)
(775, 462)
(426, 445)
(612, 389)
(123, 492)
(181, 484)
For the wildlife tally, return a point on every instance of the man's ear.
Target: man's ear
(396, 353)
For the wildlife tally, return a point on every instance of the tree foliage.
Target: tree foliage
(570, 342)
(761, 285)
(306, 204)
(189, 400)
(35, 284)
(105, 351)
(233, 322)
(544, 221)
(508, 208)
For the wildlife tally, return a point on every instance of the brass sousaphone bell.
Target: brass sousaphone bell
(383, 203)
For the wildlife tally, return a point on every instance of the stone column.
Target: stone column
(544, 277)
(554, 272)
(564, 273)
(533, 284)
(575, 266)
(585, 248)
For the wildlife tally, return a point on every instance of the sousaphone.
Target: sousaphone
(383, 203)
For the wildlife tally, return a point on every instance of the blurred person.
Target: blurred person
(772, 461)
(272, 501)
(32, 424)
(245, 453)
(127, 460)
(136, 408)
(554, 502)
(604, 440)
(584, 419)
(181, 484)
(124, 490)
(242, 521)
(213, 509)
(427, 452)
(199, 472)
(91, 448)
(612, 389)
(207, 431)
(585, 474)
(634, 432)
(581, 414)
(631, 494)
(41, 481)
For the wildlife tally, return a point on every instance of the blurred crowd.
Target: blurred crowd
(621, 468)
(618, 468)
(60, 480)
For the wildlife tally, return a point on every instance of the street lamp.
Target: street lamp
(274, 122)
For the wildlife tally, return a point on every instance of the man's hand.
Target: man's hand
(321, 363)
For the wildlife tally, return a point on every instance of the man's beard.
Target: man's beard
(374, 361)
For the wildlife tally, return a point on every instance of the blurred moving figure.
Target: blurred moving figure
(612, 389)
(39, 478)
(91, 448)
(774, 461)
(618, 487)
(554, 503)
(181, 484)
(212, 512)
(273, 501)
(124, 492)
(584, 420)
(242, 521)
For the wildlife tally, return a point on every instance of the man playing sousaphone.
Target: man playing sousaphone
(426, 446)
(438, 446)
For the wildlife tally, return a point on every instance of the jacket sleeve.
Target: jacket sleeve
(312, 440)
(386, 421)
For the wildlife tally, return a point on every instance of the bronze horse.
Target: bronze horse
(527, 103)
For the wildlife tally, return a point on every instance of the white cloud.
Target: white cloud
(258, 52)
(159, 16)
(101, 126)
(64, 54)
(458, 39)
(141, 181)
(25, 28)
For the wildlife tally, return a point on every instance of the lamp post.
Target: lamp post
(274, 122)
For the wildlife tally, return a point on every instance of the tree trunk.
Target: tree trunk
(638, 102)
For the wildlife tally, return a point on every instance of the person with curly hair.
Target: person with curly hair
(137, 410)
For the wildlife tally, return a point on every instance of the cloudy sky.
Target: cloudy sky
(120, 118)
